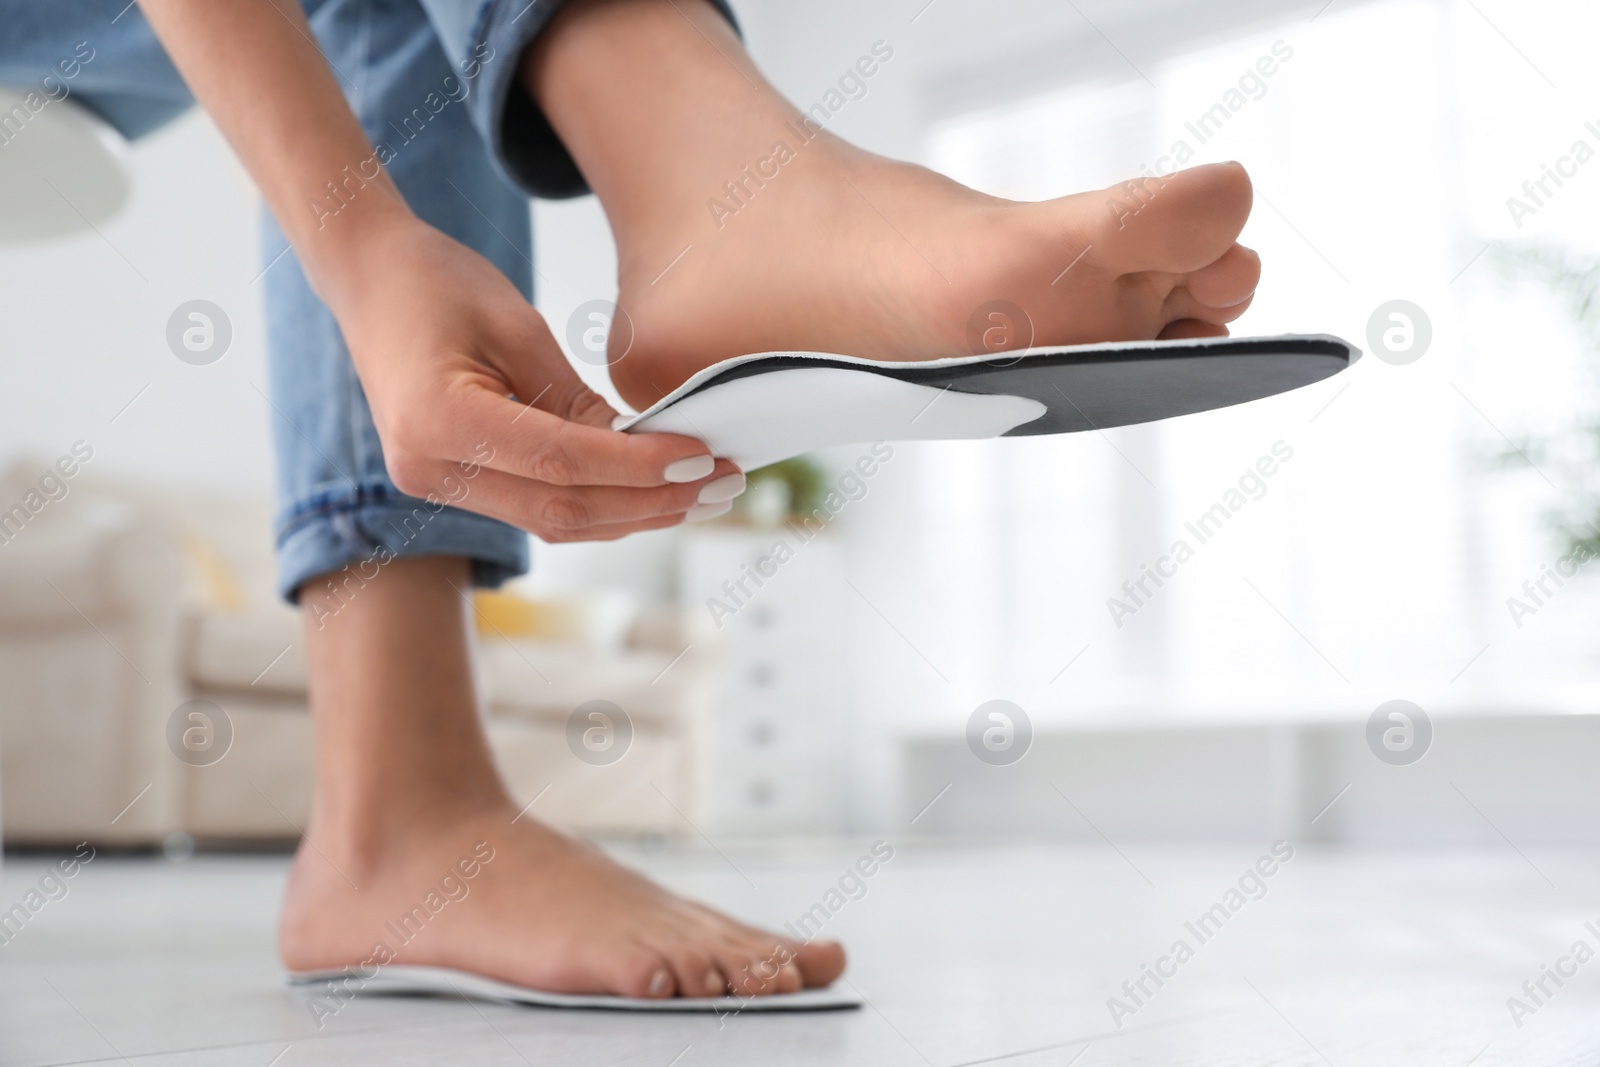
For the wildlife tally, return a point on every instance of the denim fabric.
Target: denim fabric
(434, 85)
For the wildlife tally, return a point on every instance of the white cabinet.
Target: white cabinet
(777, 602)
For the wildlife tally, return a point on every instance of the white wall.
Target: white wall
(83, 327)
(1530, 778)
(83, 333)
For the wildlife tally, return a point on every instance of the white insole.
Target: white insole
(447, 982)
(769, 417)
(759, 409)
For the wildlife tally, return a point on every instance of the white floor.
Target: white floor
(966, 956)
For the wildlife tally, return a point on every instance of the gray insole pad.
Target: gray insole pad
(760, 409)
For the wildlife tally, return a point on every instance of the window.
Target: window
(1378, 560)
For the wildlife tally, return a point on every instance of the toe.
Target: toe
(1231, 280)
(755, 962)
(1186, 329)
(778, 963)
(790, 979)
(1178, 224)
(820, 962)
(738, 967)
(761, 967)
(714, 981)
(641, 972)
(1181, 304)
(695, 973)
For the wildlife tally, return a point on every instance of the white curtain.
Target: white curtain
(1378, 560)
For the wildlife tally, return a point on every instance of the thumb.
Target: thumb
(542, 377)
(588, 407)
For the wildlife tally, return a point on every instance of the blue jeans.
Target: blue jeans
(433, 81)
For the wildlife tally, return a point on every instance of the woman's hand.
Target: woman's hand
(461, 372)
(441, 339)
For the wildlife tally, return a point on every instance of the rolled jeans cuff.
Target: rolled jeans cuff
(346, 538)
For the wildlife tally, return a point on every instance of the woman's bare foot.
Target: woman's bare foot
(521, 903)
(410, 814)
(939, 273)
(742, 228)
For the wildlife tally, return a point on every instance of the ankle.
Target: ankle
(367, 831)
(657, 102)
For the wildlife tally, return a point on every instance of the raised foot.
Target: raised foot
(520, 903)
(856, 255)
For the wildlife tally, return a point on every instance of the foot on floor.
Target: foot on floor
(508, 898)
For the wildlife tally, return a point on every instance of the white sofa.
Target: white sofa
(118, 604)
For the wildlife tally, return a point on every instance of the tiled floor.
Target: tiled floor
(966, 956)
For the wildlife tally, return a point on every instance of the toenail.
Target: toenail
(714, 982)
(658, 983)
(689, 470)
(707, 512)
(722, 490)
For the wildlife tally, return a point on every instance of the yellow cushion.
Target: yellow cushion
(218, 585)
(509, 615)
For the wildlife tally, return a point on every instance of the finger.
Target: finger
(540, 373)
(555, 510)
(591, 410)
(614, 532)
(479, 427)
(550, 378)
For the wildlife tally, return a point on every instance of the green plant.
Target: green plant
(799, 482)
(1574, 279)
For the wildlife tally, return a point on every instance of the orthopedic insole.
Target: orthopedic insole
(756, 410)
(443, 981)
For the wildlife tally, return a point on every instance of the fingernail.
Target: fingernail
(690, 470)
(714, 982)
(707, 512)
(620, 421)
(723, 489)
(658, 983)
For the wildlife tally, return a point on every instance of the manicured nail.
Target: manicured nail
(723, 489)
(690, 470)
(659, 983)
(707, 512)
(714, 983)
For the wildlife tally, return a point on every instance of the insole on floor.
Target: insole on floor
(757, 410)
(443, 981)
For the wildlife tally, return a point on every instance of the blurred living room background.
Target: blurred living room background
(1229, 701)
